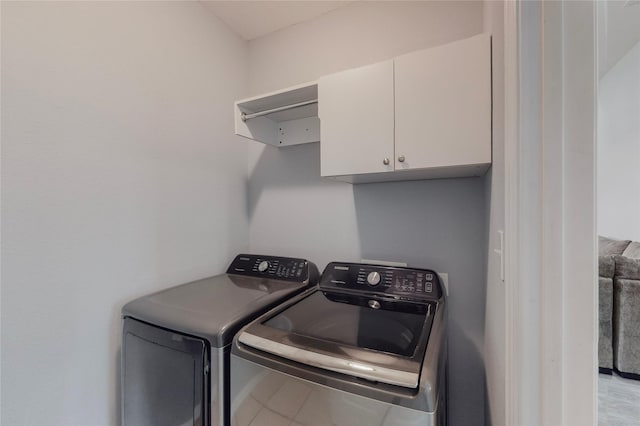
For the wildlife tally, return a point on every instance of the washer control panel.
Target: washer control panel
(400, 283)
(277, 268)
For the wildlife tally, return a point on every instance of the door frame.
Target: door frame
(550, 212)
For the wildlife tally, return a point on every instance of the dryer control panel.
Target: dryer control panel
(272, 267)
(399, 283)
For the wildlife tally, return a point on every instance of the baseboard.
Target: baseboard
(631, 376)
(604, 370)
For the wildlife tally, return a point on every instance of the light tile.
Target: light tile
(267, 417)
(288, 400)
(246, 412)
(315, 411)
(267, 387)
(350, 409)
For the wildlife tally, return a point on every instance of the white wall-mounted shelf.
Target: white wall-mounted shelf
(294, 121)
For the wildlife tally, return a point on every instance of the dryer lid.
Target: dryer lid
(215, 308)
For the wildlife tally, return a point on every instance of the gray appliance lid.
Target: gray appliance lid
(344, 334)
(213, 308)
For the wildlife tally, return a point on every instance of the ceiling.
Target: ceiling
(621, 22)
(253, 19)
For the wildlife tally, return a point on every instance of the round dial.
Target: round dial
(373, 278)
(263, 266)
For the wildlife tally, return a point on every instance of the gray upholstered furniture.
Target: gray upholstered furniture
(606, 267)
(607, 249)
(626, 312)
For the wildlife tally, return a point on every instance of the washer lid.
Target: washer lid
(345, 334)
(213, 308)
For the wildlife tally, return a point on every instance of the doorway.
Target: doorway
(618, 211)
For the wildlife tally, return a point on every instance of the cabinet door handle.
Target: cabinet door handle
(385, 161)
(401, 159)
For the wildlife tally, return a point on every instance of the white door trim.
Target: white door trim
(552, 298)
(580, 313)
(522, 217)
(550, 98)
(511, 82)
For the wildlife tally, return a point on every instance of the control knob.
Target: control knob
(263, 266)
(373, 278)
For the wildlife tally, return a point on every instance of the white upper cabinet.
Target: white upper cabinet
(355, 108)
(443, 106)
(426, 114)
(423, 115)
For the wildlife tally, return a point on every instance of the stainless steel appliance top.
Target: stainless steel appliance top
(216, 307)
(370, 322)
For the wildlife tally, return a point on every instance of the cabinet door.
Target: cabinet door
(443, 105)
(356, 120)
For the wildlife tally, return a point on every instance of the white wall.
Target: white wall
(494, 334)
(120, 175)
(619, 149)
(439, 224)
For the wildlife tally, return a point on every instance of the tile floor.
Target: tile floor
(278, 400)
(267, 404)
(618, 401)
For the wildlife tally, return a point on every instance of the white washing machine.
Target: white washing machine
(176, 343)
(365, 347)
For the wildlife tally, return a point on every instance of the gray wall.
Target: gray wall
(120, 176)
(440, 224)
(619, 149)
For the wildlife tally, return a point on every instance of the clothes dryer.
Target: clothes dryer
(176, 343)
